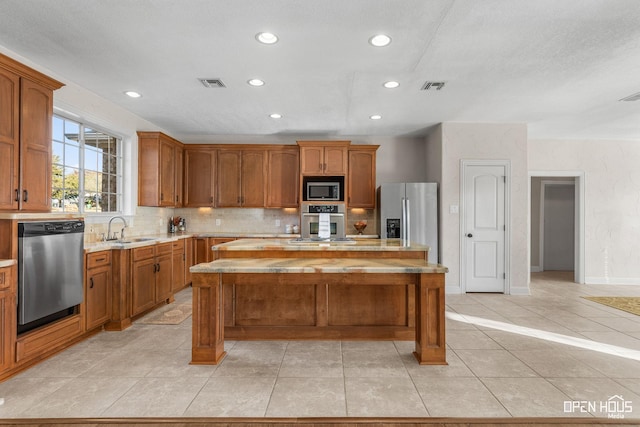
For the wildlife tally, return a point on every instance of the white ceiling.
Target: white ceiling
(560, 66)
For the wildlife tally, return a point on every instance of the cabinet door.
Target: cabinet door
(9, 139)
(335, 161)
(35, 146)
(98, 296)
(178, 266)
(283, 179)
(362, 179)
(164, 277)
(199, 176)
(253, 182)
(7, 328)
(143, 285)
(189, 252)
(228, 179)
(312, 160)
(167, 173)
(179, 166)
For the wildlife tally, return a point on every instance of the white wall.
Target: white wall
(612, 202)
(493, 142)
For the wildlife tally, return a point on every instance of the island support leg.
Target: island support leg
(430, 320)
(207, 342)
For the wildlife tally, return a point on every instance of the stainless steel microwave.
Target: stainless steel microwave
(324, 191)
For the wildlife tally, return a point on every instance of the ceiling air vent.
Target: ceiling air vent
(634, 97)
(432, 86)
(212, 83)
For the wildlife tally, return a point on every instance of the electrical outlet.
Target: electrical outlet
(277, 223)
(218, 221)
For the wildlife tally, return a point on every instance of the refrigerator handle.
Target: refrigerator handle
(407, 242)
(403, 221)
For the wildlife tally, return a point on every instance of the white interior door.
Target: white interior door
(484, 228)
(559, 226)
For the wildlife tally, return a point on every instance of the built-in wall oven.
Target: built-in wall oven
(310, 220)
(50, 271)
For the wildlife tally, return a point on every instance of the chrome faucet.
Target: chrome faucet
(115, 236)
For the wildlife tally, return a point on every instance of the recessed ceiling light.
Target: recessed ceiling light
(256, 82)
(132, 94)
(375, 117)
(380, 40)
(275, 116)
(267, 38)
(391, 85)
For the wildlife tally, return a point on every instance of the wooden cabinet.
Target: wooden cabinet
(199, 177)
(240, 178)
(323, 157)
(26, 112)
(283, 178)
(7, 317)
(203, 252)
(159, 170)
(190, 260)
(98, 289)
(151, 276)
(361, 182)
(178, 265)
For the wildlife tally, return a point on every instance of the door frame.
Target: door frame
(579, 233)
(507, 220)
(543, 186)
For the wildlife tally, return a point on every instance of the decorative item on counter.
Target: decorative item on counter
(288, 228)
(173, 223)
(182, 224)
(296, 229)
(360, 225)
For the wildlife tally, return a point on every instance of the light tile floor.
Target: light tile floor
(493, 370)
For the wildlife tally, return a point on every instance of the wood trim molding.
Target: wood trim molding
(16, 67)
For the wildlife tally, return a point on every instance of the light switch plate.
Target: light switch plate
(453, 209)
(218, 221)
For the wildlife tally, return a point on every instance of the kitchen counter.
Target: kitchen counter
(363, 245)
(7, 262)
(320, 265)
(318, 298)
(135, 242)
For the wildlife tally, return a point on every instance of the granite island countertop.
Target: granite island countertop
(375, 245)
(318, 265)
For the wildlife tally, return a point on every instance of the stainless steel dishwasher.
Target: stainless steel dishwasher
(50, 271)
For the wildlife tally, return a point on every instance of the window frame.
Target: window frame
(82, 149)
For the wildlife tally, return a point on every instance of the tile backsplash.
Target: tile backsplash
(154, 221)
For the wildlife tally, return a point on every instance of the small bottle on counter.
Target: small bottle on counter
(172, 227)
(296, 229)
(288, 228)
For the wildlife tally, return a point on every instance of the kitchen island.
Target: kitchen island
(276, 289)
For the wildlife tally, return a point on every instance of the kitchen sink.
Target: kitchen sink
(136, 240)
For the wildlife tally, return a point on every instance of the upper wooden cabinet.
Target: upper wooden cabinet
(199, 177)
(283, 178)
(361, 184)
(241, 177)
(159, 170)
(26, 112)
(323, 157)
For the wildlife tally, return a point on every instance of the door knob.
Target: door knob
(469, 235)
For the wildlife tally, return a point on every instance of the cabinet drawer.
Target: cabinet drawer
(144, 252)
(178, 247)
(163, 248)
(98, 259)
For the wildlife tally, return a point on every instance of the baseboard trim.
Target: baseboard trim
(536, 269)
(455, 290)
(520, 291)
(612, 281)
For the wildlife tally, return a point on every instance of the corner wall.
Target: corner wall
(612, 202)
(473, 141)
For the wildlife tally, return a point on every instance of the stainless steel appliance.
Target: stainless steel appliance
(310, 220)
(323, 188)
(409, 211)
(50, 267)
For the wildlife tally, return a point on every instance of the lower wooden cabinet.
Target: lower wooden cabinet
(7, 317)
(98, 289)
(151, 276)
(179, 263)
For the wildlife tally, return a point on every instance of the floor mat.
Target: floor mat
(172, 314)
(628, 304)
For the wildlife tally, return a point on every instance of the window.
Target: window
(86, 169)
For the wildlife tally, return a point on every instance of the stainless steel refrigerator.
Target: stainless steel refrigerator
(409, 211)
